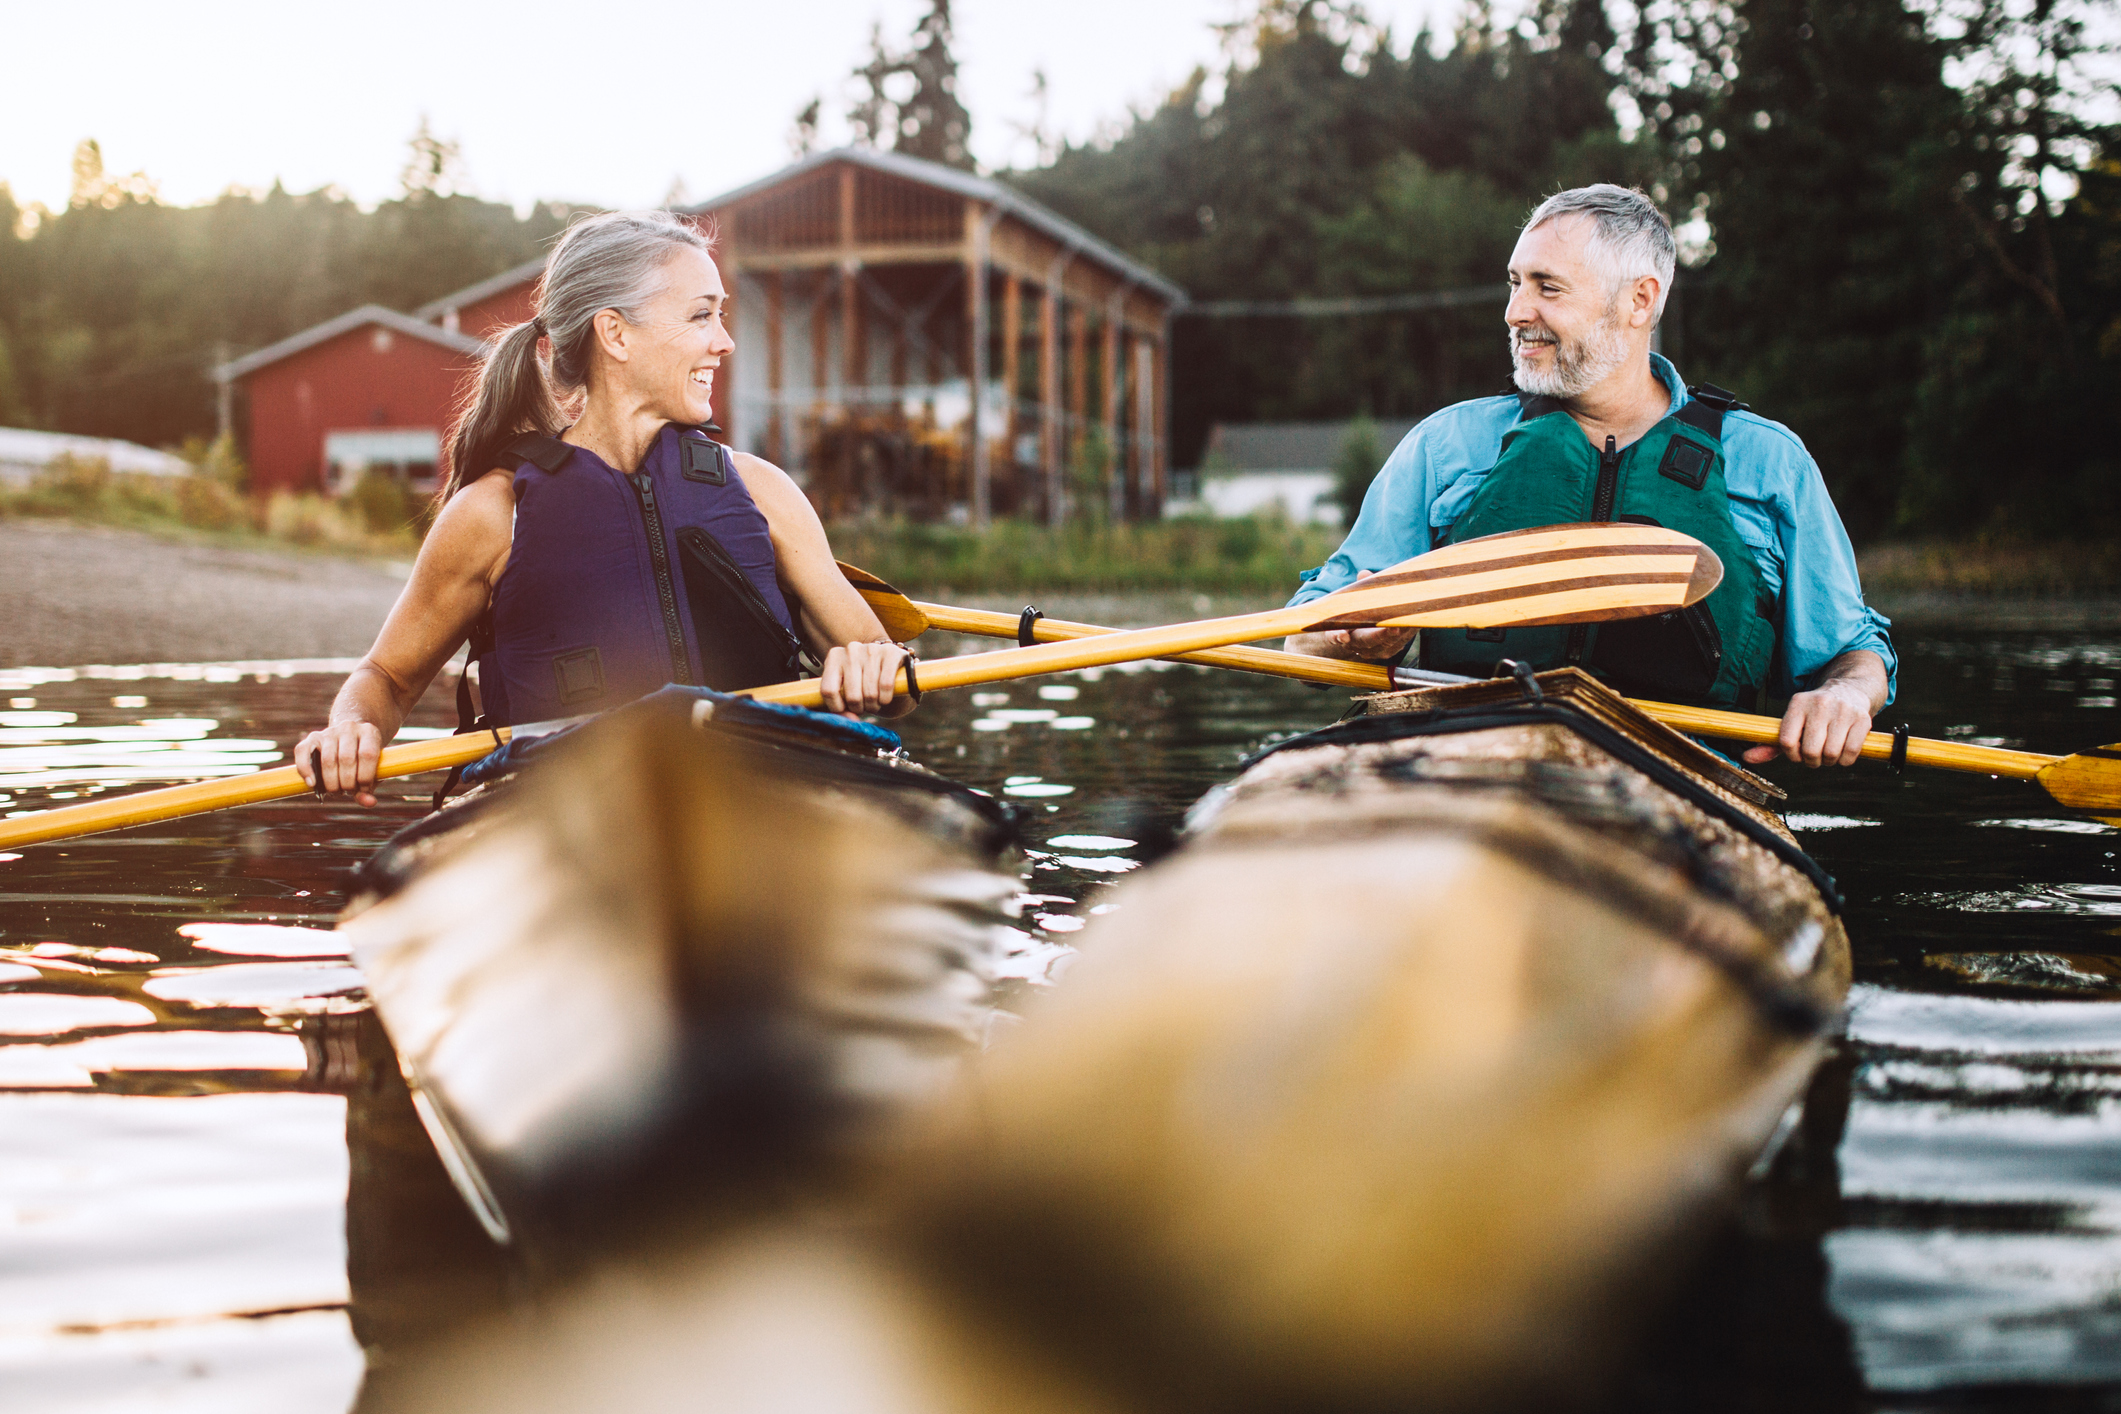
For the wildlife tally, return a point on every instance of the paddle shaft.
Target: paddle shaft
(1066, 655)
(146, 807)
(1375, 677)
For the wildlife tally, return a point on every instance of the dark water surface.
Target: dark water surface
(184, 1055)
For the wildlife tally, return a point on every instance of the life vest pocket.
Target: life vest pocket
(579, 676)
(741, 643)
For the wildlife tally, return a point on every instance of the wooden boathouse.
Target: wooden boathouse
(873, 294)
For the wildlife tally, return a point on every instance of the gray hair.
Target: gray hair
(1630, 237)
(610, 261)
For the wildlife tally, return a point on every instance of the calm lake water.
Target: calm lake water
(189, 1085)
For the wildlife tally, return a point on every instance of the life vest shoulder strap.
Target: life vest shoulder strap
(1706, 406)
(545, 453)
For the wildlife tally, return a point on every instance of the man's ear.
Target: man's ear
(611, 331)
(1642, 308)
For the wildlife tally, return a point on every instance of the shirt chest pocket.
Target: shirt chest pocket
(1445, 510)
(1760, 538)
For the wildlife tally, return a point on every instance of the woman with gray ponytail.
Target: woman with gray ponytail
(592, 542)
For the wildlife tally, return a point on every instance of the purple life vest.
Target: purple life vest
(617, 584)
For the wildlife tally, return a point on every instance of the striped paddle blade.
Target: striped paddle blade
(1553, 575)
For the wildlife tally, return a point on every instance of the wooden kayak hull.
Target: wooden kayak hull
(1395, 1081)
(1391, 1087)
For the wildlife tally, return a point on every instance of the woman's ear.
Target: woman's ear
(611, 331)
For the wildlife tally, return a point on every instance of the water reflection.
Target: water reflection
(189, 1083)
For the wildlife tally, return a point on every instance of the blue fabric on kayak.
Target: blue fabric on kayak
(730, 710)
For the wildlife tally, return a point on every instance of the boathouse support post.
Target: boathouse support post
(1049, 386)
(1012, 363)
(776, 370)
(979, 233)
(1112, 376)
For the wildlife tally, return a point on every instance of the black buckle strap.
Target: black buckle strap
(1024, 636)
(1527, 681)
(913, 677)
(1897, 763)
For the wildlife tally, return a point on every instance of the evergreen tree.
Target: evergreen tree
(910, 102)
(1820, 162)
(114, 311)
(2016, 419)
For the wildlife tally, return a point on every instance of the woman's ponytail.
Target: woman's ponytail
(610, 261)
(510, 398)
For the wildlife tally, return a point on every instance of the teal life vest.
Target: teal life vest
(1715, 653)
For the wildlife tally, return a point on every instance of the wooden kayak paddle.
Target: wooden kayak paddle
(196, 798)
(2089, 780)
(1562, 574)
(1558, 574)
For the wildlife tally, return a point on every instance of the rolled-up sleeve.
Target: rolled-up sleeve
(1823, 613)
(1393, 524)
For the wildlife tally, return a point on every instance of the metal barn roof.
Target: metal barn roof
(331, 329)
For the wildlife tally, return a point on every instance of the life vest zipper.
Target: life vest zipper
(659, 559)
(1608, 481)
(1601, 510)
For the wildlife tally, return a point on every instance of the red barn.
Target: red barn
(371, 389)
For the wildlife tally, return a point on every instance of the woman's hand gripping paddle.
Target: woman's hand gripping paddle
(1560, 574)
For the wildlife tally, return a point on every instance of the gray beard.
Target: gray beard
(1579, 366)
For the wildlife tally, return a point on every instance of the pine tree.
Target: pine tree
(1819, 161)
(928, 121)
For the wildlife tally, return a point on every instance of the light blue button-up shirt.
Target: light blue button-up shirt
(1779, 506)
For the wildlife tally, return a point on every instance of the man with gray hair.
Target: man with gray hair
(1599, 428)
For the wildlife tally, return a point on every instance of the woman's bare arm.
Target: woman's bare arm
(452, 582)
(861, 662)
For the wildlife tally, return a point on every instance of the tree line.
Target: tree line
(114, 311)
(1902, 222)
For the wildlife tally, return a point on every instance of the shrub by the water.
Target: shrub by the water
(1255, 555)
(385, 505)
(86, 489)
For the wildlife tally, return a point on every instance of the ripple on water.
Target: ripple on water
(278, 986)
(2067, 900)
(55, 1014)
(1977, 1163)
(175, 1213)
(76, 1065)
(264, 940)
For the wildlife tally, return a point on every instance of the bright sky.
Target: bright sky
(603, 103)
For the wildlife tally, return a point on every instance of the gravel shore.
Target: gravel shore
(88, 594)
